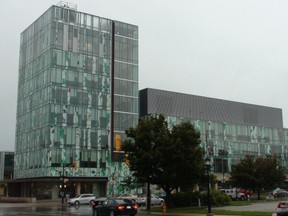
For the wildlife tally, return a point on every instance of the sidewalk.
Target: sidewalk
(55, 202)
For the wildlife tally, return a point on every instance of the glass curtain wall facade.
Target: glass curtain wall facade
(77, 89)
(6, 167)
(225, 141)
(226, 144)
(6, 171)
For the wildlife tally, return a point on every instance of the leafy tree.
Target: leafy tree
(257, 173)
(130, 182)
(170, 158)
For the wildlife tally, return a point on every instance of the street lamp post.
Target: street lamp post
(208, 165)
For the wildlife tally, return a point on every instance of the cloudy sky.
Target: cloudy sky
(228, 49)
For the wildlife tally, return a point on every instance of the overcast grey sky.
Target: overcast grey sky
(228, 49)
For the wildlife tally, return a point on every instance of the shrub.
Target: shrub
(188, 199)
(184, 199)
(217, 198)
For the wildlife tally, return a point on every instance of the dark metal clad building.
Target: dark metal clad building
(153, 101)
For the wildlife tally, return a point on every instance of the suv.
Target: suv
(234, 194)
(81, 199)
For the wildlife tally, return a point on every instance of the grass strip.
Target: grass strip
(215, 212)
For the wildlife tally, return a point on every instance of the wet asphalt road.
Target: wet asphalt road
(45, 210)
(56, 209)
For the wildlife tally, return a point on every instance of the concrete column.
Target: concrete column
(78, 188)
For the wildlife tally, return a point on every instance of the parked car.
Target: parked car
(246, 192)
(282, 209)
(114, 207)
(280, 193)
(128, 196)
(161, 195)
(81, 199)
(234, 194)
(155, 200)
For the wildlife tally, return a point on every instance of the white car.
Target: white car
(234, 194)
(81, 199)
(155, 200)
(282, 209)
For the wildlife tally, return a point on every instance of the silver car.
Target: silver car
(81, 199)
(282, 209)
(155, 200)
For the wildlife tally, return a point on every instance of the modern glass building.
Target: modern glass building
(6, 170)
(77, 93)
(229, 130)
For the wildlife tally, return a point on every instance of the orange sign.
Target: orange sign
(118, 142)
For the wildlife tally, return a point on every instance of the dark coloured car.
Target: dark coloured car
(97, 202)
(114, 207)
(282, 209)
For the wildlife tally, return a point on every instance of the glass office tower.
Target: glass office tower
(77, 93)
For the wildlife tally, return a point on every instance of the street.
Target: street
(56, 209)
(45, 210)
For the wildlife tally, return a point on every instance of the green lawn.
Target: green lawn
(217, 212)
(203, 210)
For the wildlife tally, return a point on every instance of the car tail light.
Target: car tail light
(121, 207)
(135, 206)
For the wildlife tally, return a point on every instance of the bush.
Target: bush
(188, 199)
(217, 198)
(184, 199)
(220, 199)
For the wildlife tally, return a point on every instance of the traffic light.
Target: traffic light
(75, 165)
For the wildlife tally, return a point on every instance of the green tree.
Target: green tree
(170, 158)
(257, 173)
(130, 182)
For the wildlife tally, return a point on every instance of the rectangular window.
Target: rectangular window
(56, 157)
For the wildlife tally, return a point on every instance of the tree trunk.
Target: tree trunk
(148, 198)
(168, 199)
(258, 194)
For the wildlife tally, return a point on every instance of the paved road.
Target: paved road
(54, 208)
